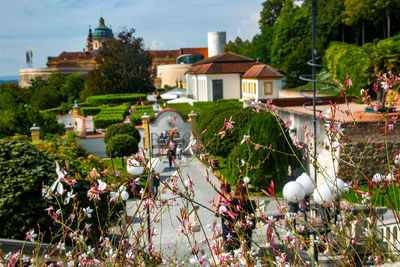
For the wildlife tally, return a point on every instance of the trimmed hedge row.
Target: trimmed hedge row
(115, 99)
(184, 108)
(139, 112)
(90, 111)
(110, 115)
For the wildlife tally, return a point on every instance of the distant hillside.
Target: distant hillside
(9, 79)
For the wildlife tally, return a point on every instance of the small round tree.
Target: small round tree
(264, 153)
(122, 145)
(121, 128)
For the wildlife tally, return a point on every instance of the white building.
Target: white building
(227, 75)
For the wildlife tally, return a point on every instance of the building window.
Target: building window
(268, 88)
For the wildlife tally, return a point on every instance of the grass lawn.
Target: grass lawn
(390, 196)
(117, 164)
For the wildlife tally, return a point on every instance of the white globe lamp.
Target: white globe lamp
(323, 194)
(305, 180)
(293, 192)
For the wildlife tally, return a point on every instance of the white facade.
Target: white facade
(261, 88)
(200, 86)
(216, 42)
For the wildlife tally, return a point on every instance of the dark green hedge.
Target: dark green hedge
(218, 146)
(110, 115)
(184, 108)
(263, 165)
(90, 111)
(139, 112)
(115, 99)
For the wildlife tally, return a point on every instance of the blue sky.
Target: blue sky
(48, 27)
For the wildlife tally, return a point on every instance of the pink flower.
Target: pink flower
(49, 210)
(229, 125)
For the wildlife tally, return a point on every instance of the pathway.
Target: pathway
(168, 238)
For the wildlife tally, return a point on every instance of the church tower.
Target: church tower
(100, 36)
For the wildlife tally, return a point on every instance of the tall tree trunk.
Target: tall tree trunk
(384, 29)
(388, 25)
(342, 33)
(363, 32)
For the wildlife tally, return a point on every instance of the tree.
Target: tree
(72, 87)
(121, 128)
(293, 28)
(358, 11)
(123, 67)
(270, 12)
(122, 145)
(262, 165)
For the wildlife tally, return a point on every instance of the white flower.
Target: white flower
(102, 185)
(245, 138)
(69, 196)
(57, 184)
(31, 235)
(88, 212)
(246, 180)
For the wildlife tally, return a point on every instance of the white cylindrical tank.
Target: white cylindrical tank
(216, 43)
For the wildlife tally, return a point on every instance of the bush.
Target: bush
(121, 128)
(102, 122)
(222, 146)
(122, 145)
(110, 115)
(267, 164)
(208, 112)
(184, 108)
(342, 59)
(90, 111)
(139, 112)
(23, 171)
(115, 99)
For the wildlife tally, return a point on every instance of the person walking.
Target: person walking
(247, 211)
(225, 204)
(179, 153)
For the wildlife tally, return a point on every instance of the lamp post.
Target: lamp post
(134, 168)
(305, 180)
(293, 192)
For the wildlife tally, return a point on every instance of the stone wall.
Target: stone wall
(26, 75)
(365, 153)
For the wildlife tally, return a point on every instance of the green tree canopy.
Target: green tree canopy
(121, 128)
(123, 67)
(122, 145)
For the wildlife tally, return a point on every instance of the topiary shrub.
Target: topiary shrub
(115, 99)
(218, 146)
(263, 164)
(90, 111)
(122, 145)
(121, 128)
(207, 115)
(136, 116)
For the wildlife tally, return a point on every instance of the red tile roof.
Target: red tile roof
(198, 50)
(179, 52)
(223, 63)
(262, 71)
(164, 53)
(76, 55)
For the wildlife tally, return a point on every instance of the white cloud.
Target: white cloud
(249, 27)
(156, 44)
